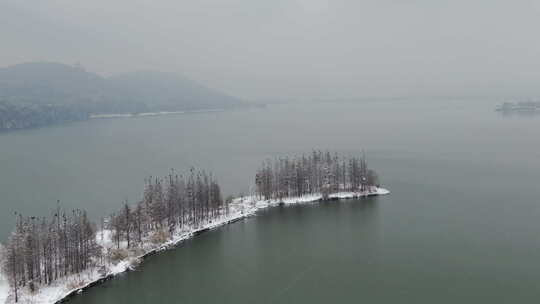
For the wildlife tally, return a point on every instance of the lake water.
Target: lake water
(461, 224)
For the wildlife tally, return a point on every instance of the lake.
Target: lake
(461, 223)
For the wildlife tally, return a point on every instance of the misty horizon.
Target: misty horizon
(291, 49)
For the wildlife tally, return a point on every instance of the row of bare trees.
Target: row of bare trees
(42, 250)
(169, 204)
(318, 172)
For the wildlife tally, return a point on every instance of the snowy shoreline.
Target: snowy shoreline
(129, 115)
(241, 208)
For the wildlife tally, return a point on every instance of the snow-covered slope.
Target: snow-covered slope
(240, 208)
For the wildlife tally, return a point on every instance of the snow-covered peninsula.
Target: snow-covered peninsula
(50, 258)
(240, 208)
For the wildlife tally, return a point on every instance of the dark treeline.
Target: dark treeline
(318, 172)
(27, 115)
(42, 250)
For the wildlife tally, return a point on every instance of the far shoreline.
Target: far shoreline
(161, 113)
(145, 114)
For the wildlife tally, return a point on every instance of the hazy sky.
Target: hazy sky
(291, 48)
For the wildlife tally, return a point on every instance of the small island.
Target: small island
(519, 107)
(50, 259)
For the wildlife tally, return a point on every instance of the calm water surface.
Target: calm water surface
(461, 223)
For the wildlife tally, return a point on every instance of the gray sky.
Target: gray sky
(291, 48)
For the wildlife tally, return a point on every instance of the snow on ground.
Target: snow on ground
(4, 289)
(240, 208)
(260, 204)
(4, 286)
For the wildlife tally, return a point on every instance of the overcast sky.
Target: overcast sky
(291, 48)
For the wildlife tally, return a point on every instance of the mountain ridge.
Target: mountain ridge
(41, 93)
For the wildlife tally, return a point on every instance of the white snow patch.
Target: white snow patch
(129, 115)
(4, 289)
(4, 285)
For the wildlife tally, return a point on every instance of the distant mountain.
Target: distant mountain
(48, 83)
(35, 94)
